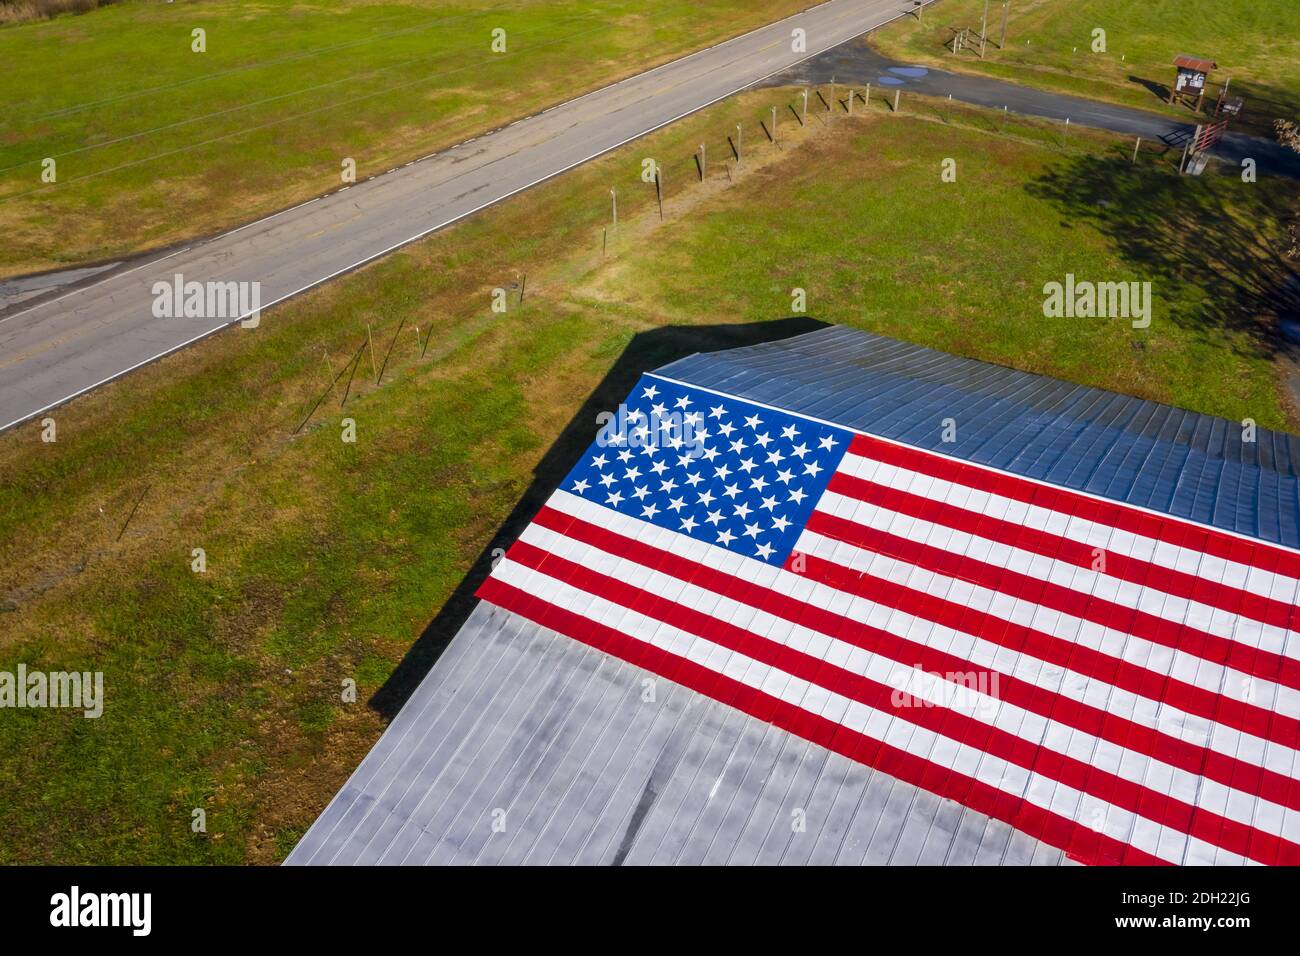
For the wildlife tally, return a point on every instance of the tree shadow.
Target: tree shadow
(646, 352)
(1224, 238)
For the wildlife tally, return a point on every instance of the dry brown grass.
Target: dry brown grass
(21, 11)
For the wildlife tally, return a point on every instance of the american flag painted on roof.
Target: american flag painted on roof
(1116, 682)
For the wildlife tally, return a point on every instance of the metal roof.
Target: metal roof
(522, 745)
(1144, 453)
(1195, 63)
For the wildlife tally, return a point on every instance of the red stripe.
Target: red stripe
(1160, 527)
(1163, 809)
(1089, 607)
(1055, 830)
(1044, 647)
(1171, 581)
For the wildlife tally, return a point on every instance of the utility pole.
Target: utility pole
(1002, 44)
(984, 29)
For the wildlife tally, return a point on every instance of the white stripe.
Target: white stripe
(1093, 534)
(878, 725)
(1148, 712)
(1130, 765)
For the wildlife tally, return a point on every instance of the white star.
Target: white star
(625, 455)
(752, 531)
(763, 439)
(581, 486)
(641, 434)
(650, 392)
(753, 421)
(693, 479)
(682, 403)
(633, 473)
(765, 551)
(731, 490)
(799, 450)
(659, 468)
(713, 517)
(689, 523)
(738, 445)
(658, 411)
(650, 450)
(725, 537)
(618, 438)
(677, 504)
(693, 419)
(780, 524)
(726, 428)
(758, 484)
(748, 465)
(640, 493)
(789, 432)
(797, 496)
(812, 468)
(722, 472)
(707, 497)
(607, 479)
(600, 461)
(685, 461)
(717, 411)
(770, 503)
(614, 499)
(742, 510)
(649, 511)
(774, 457)
(636, 415)
(828, 442)
(784, 476)
(667, 485)
(710, 454)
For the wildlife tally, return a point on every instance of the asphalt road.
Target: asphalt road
(859, 64)
(56, 348)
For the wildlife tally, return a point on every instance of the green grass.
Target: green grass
(155, 143)
(327, 561)
(1049, 45)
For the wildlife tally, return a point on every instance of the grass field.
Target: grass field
(1049, 44)
(329, 561)
(195, 142)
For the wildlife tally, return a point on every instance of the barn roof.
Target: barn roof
(519, 724)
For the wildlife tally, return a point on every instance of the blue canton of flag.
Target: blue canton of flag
(721, 470)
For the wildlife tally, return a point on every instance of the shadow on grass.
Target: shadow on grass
(647, 351)
(1225, 239)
